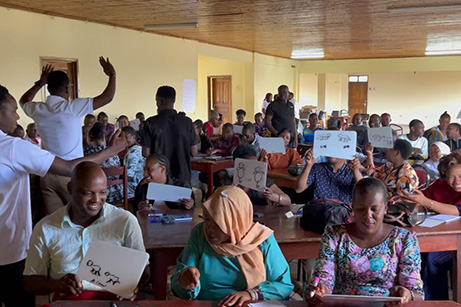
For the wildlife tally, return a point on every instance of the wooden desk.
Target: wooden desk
(164, 243)
(183, 303)
(282, 178)
(210, 167)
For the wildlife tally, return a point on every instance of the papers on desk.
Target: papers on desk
(439, 219)
(272, 145)
(271, 303)
(166, 192)
(335, 144)
(105, 265)
(358, 300)
(251, 174)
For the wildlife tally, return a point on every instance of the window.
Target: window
(358, 78)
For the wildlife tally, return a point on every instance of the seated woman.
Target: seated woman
(272, 193)
(443, 196)
(229, 257)
(437, 150)
(368, 257)
(398, 175)
(96, 144)
(279, 160)
(156, 170)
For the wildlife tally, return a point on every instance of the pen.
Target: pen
(315, 283)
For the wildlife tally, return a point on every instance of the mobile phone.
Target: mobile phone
(120, 124)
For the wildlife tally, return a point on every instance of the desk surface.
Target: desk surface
(180, 303)
(158, 235)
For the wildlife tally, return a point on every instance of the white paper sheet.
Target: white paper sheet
(272, 145)
(431, 223)
(238, 129)
(188, 95)
(444, 217)
(166, 192)
(335, 144)
(359, 300)
(271, 303)
(459, 115)
(381, 137)
(106, 266)
(251, 174)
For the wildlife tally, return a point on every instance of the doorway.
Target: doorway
(69, 66)
(358, 94)
(220, 96)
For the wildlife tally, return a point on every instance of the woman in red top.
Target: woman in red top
(443, 196)
(279, 160)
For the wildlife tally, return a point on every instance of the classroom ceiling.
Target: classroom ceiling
(342, 29)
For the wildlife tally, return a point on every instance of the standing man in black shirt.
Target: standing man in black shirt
(280, 115)
(171, 134)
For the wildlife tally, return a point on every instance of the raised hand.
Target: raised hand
(46, 70)
(369, 149)
(354, 165)
(107, 66)
(189, 278)
(310, 160)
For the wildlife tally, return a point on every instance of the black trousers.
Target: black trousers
(12, 291)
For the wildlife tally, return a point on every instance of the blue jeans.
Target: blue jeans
(434, 269)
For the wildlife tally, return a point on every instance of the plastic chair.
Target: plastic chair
(397, 128)
(423, 177)
(120, 173)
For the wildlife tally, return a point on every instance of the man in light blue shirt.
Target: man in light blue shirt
(60, 241)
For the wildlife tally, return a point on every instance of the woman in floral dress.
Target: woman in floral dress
(368, 257)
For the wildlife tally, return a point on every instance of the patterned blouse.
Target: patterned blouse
(345, 268)
(401, 180)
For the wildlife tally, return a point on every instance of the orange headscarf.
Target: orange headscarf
(231, 209)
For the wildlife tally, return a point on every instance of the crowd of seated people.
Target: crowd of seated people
(159, 150)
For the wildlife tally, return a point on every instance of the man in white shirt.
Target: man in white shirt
(415, 137)
(58, 119)
(19, 159)
(52, 262)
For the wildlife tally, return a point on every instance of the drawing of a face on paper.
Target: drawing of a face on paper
(250, 173)
(335, 144)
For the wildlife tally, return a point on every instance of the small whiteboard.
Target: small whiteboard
(106, 265)
(238, 129)
(166, 192)
(381, 137)
(335, 144)
(251, 174)
(272, 145)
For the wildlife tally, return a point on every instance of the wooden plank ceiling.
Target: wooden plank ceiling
(343, 29)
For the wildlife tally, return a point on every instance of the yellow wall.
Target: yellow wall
(407, 88)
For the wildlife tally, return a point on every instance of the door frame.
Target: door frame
(209, 92)
(63, 60)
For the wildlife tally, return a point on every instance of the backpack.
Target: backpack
(322, 212)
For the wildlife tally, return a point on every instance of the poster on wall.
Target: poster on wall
(188, 96)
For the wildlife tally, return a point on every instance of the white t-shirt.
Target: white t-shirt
(420, 142)
(265, 104)
(59, 122)
(18, 159)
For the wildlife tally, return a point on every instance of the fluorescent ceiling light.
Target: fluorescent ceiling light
(307, 54)
(171, 26)
(443, 52)
(423, 8)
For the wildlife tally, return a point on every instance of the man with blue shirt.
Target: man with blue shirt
(334, 179)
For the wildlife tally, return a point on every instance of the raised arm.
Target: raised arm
(30, 94)
(64, 167)
(301, 182)
(108, 94)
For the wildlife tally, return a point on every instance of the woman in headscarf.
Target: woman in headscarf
(437, 150)
(229, 257)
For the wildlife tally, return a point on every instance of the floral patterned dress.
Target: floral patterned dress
(345, 268)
